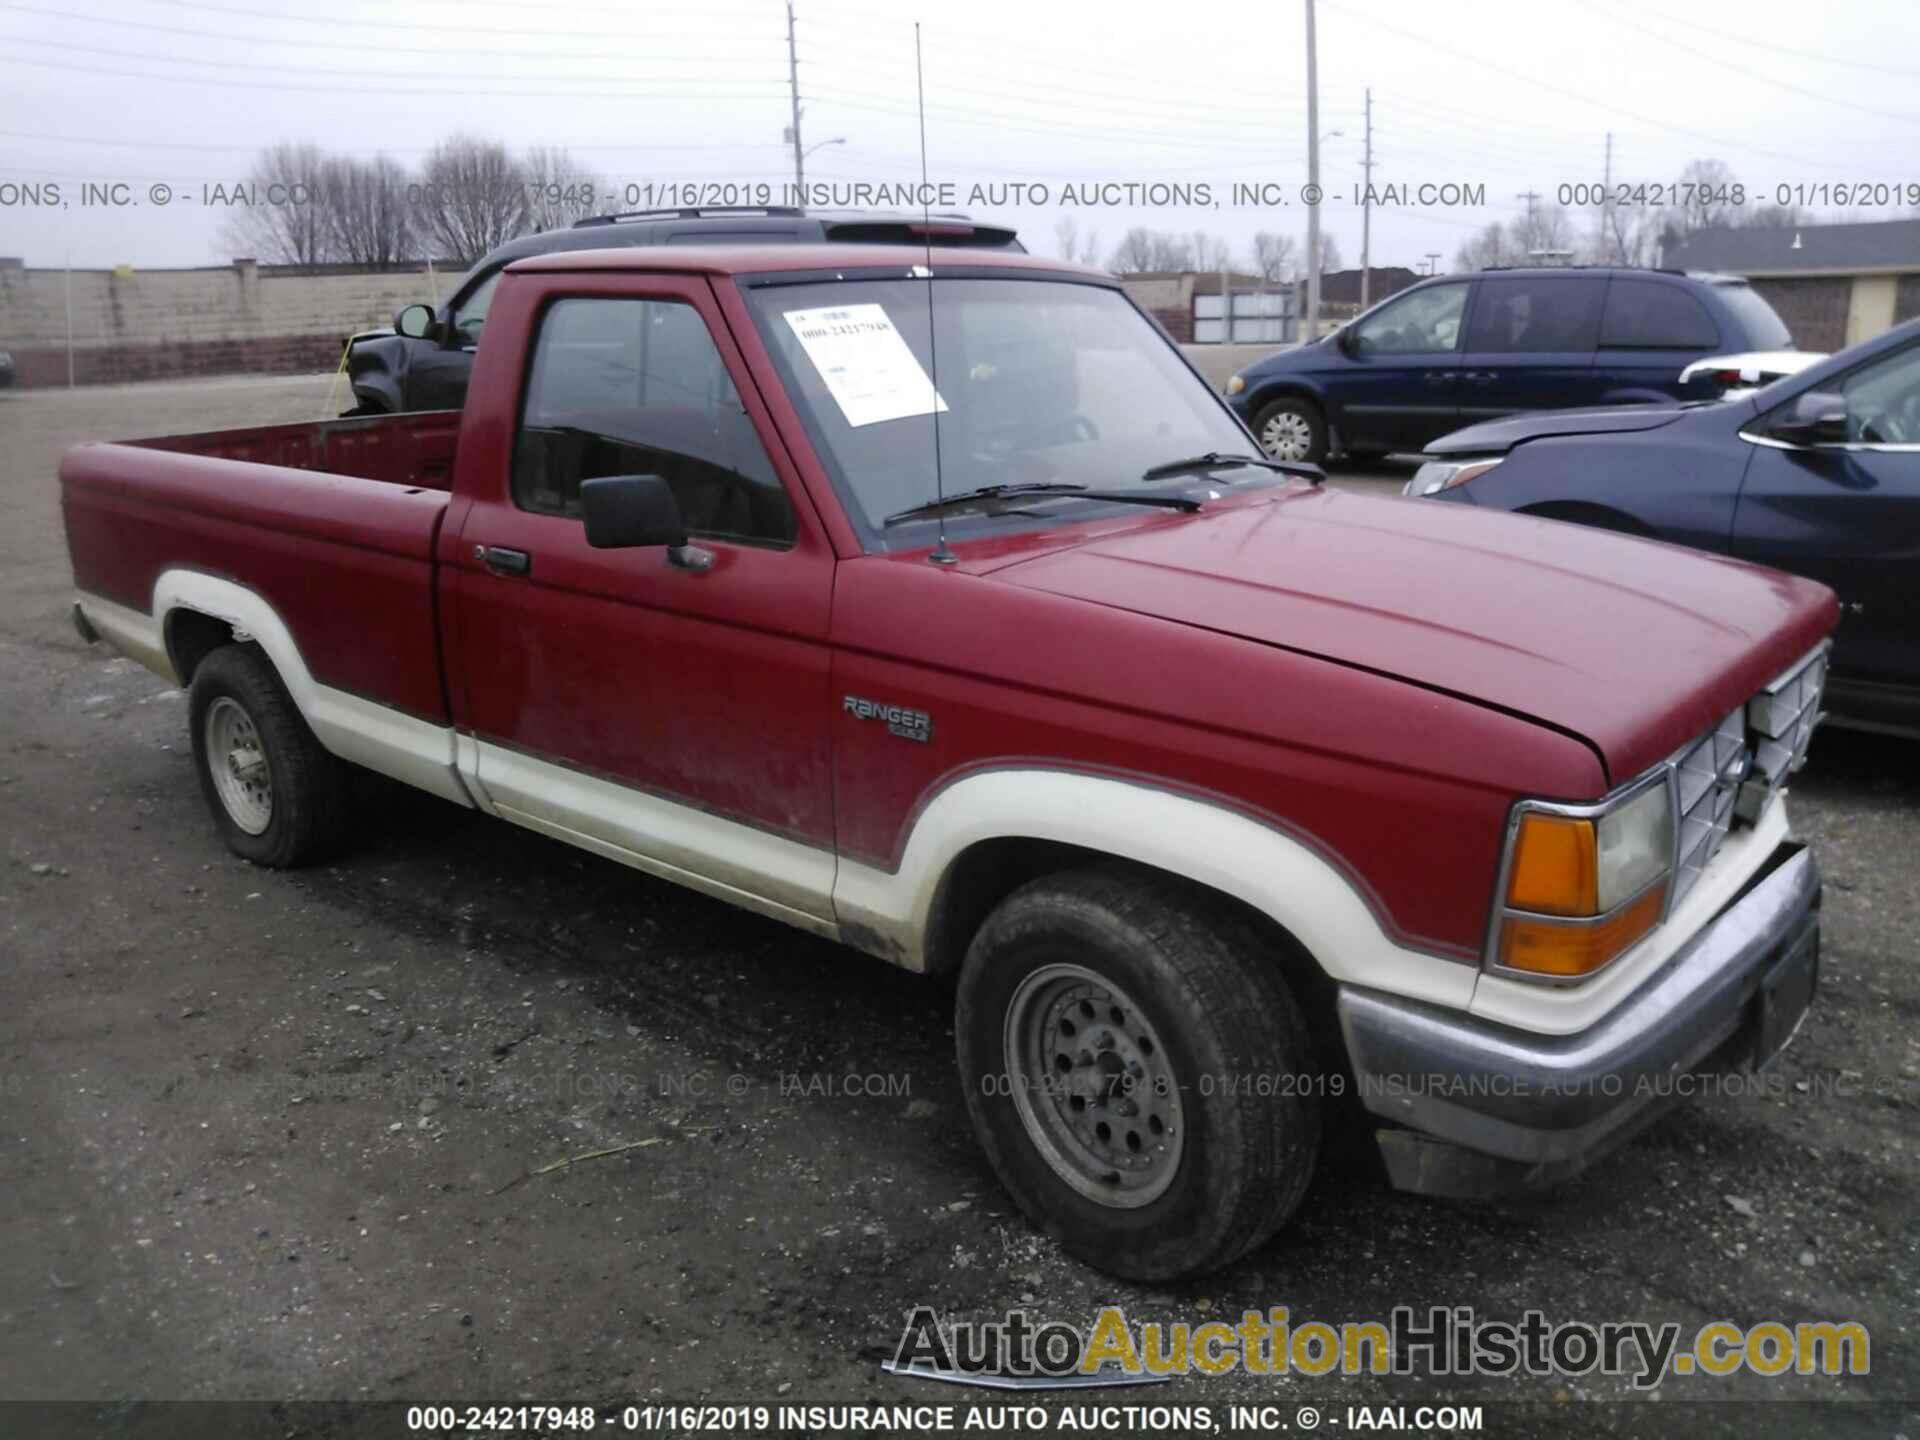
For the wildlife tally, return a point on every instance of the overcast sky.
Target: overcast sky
(1511, 95)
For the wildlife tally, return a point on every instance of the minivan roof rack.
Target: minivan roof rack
(694, 213)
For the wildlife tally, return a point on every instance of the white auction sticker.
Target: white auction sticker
(868, 368)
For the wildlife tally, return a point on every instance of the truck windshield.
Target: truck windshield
(1039, 382)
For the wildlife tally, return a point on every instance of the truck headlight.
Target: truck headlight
(1583, 883)
(1437, 475)
(1235, 384)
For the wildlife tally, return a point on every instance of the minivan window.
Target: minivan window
(1536, 313)
(1423, 322)
(1765, 329)
(1646, 315)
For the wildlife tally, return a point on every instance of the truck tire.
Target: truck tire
(1137, 1071)
(1292, 428)
(278, 796)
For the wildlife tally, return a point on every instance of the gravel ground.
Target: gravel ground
(282, 1135)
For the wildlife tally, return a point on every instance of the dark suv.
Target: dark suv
(425, 363)
(1461, 348)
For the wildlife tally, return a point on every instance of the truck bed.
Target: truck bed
(333, 522)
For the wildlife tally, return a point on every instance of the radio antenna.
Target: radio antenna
(941, 554)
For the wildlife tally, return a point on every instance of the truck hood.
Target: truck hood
(1496, 437)
(1633, 646)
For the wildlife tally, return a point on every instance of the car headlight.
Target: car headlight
(1437, 475)
(1236, 384)
(1582, 883)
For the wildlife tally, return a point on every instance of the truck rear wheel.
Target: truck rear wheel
(278, 795)
(1137, 1071)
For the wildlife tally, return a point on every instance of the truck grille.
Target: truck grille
(1730, 774)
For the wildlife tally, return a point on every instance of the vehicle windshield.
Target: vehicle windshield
(1765, 329)
(1040, 382)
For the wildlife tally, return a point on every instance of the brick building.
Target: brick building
(1834, 285)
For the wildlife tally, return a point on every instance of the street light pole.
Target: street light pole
(1366, 207)
(1313, 183)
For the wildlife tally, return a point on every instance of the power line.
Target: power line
(1794, 52)
(1561, 91)
(359, 47)
(700, 90)
(1903, 117)
(369, 89)
(456, 27)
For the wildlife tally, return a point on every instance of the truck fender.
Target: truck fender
(379, 737)
(1285, 876)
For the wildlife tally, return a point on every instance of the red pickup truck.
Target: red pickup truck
(947, 612)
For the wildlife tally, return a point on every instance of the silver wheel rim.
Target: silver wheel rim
(237, 760)
(1093, 1086)
(1286, 435)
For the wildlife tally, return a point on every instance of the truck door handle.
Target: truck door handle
(502, 561)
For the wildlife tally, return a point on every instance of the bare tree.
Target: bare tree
(1329, 253)
(559, 191)
(1072, 245)
(1490, 246)
(282, 220)
(473, 196)
(1273, 256)
(1778, 217)
(1705, 198)
(1143, 249)
(1210, 252)
(365, 203)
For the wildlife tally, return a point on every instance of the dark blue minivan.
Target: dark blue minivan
(1461, 348)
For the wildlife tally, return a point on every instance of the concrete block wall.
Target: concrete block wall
(149, 324)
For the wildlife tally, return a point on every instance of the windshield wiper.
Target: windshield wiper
(1214, 460)
(987, 494)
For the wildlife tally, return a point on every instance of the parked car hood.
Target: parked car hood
(1496, 437)
(1634, 646)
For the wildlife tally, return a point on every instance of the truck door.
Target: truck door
(671, 709)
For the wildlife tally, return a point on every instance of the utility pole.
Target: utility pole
(1366, 207)
(1433, 262)
(793, 87)
(1533, 233)
(1606, 201)
(1313, 182)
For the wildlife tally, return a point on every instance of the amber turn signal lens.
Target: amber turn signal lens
(1550, 947)
(1555, 867)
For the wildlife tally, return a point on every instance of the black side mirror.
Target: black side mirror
(626, 511)
(416, 322)
(1818, 417)
(1349, 341)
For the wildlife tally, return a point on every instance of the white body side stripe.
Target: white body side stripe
(1271, 872)
(884, 912)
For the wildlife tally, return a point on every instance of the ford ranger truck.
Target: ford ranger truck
(935, 605)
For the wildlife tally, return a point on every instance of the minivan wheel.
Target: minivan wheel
(1292, 428)
(1137, 1071)
(278, 796)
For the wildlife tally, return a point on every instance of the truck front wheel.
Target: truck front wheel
(278, 795)
(1137, 1071)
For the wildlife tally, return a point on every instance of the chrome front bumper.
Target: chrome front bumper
(1476, 1107)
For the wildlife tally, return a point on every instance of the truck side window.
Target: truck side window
(636, 387)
